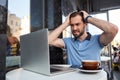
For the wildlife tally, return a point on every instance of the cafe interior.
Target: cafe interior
(50, 14)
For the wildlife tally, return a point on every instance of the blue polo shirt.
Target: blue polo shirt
(88, 49)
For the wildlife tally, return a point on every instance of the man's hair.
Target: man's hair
(77, 13)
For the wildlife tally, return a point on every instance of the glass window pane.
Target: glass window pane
(114, 17)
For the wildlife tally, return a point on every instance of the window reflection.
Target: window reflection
(18, 23)
(18, 17)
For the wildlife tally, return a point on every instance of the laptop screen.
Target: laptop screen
(35, 51)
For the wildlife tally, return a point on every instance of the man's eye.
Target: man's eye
(77, 24)
(71, 25)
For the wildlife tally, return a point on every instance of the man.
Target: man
(83, 46)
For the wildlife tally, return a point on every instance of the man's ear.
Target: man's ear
(86, 24)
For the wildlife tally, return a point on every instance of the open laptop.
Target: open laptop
(35, 54)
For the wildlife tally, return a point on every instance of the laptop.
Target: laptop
(35, 54)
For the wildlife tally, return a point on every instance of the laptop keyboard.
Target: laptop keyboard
(54, 70)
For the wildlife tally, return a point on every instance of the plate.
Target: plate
(90, 71)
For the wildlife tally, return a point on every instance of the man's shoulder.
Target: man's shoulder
(68, 39)
(95, 36)
(96, 39)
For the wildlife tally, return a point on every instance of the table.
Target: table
(105, 58)
(21, 74)
(106, 61)
(106, 65)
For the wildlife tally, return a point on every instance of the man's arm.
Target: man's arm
(53, 36)
(109, 30)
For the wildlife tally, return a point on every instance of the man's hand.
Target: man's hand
(85, 14)
(67, 21)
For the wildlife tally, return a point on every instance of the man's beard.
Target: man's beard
(78, 36)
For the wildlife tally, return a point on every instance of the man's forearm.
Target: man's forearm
(55, 33)
(101, 24)
(109, 30)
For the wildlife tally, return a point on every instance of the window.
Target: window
(16, 23)
(11, 22)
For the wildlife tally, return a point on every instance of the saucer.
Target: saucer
(90, 71)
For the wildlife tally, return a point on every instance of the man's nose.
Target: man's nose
(75, 27)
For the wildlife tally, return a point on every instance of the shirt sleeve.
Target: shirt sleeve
(65, 42)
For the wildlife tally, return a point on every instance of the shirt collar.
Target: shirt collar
(88, 37)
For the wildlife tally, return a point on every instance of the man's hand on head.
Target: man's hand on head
(85, 14)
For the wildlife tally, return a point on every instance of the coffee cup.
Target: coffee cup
(90, 64)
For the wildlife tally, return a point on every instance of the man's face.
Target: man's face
(77, 26)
